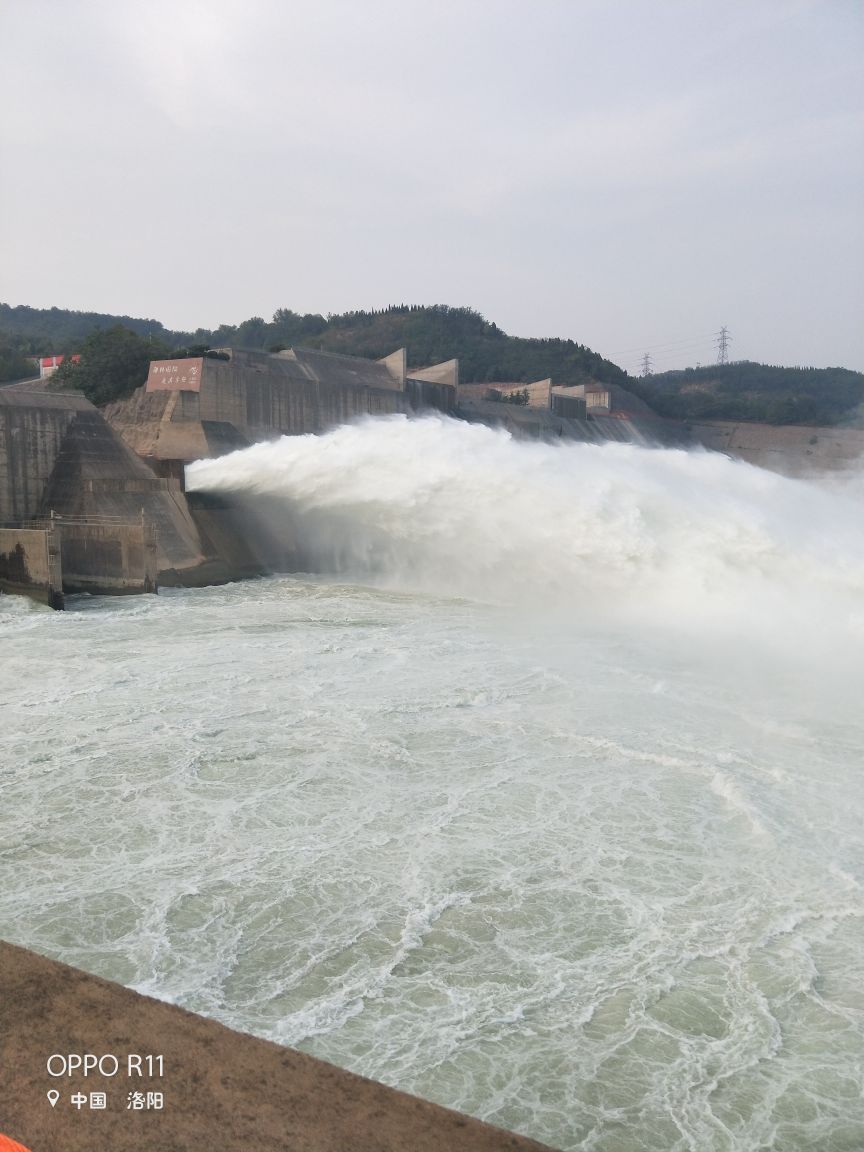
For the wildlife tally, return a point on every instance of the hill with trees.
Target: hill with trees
(485, 352)
(116, 350)
(431, 334)
(748, 391)
(114, 362)
(26, 333)
(50, 331)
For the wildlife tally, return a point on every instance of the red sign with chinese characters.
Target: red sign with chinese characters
(175, 375)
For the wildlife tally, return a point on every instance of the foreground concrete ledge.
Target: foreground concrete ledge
(222, 1090)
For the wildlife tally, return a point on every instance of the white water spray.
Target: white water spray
(663, 537)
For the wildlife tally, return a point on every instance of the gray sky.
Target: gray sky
(628, 173)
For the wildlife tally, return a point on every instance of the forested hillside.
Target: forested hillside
(762, 392)
(54, 330)
(484, 351)
(738, 391)
(28, 332)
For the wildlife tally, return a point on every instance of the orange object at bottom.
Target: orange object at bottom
(7, 1145)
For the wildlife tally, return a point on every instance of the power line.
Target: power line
(667, 361)
(723, 340)
(668, 344)
(655, 357)
(698, 348)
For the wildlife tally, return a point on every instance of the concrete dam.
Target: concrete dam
(95, 501)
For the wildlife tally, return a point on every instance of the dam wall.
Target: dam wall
(47, 559)
(235, 542)
(60, 457)
(795, 450)
(397, 365)
(97, 477)
(426, 394)
(447, 372)
(573, 407)
(263, 395)
(562, 412)
(33, 426)
(255, 396)
(109, 559)
(30, 564)
(625, 427)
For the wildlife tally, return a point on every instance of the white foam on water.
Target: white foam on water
(728, 790)
(547, 803)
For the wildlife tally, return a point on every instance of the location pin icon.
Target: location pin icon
(53, 1097)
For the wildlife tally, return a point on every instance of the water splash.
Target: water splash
(660, 537)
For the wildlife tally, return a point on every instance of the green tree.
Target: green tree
(252, 333)
(15, 363)
(114, 362)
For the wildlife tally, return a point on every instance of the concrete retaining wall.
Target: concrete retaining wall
(447, 372)
(33, 426)
(429, 394)
(98, 478)
(59, 456)
(30, 564)
(255, 396)
(46, 560)
(540, 424)
(572, 406)
(108, 559)
(397, 365)
(267, 396)
(234, 547)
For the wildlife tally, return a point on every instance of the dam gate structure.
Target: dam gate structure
(46, 559)
(108, 557)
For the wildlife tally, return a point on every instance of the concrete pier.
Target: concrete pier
(108, 558)
(46, 559)
(30, 564)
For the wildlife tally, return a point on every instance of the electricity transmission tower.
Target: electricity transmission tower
(723, 340)
(647, 367)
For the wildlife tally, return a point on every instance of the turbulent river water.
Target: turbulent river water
(543, 799)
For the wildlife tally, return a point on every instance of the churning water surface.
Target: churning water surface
(545, 804)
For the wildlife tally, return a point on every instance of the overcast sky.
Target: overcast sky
(632, 174)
